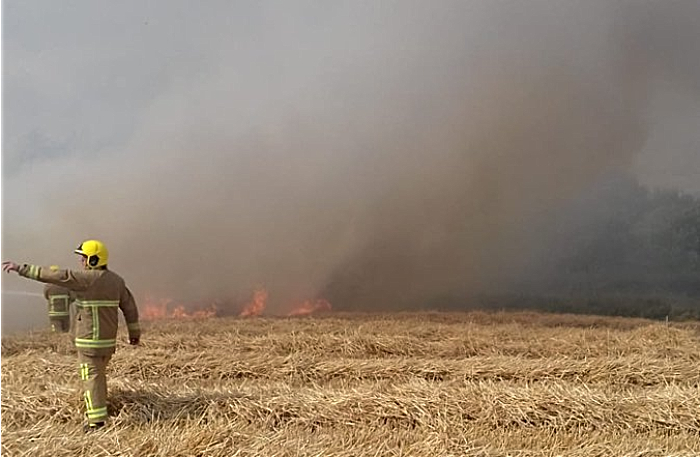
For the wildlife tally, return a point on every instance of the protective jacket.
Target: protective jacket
(99, 293)
(59, 299)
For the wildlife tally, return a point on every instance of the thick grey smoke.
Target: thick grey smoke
(380, 154)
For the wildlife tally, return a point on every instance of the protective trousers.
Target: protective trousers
(93, 374)
(60, 324)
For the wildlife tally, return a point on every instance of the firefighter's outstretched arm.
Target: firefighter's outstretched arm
(70, 279)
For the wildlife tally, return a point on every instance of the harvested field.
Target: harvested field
(479, 384)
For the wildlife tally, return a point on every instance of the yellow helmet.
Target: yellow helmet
(95, 252)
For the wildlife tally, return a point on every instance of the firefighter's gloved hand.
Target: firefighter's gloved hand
(134, 341)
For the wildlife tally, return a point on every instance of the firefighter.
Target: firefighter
(99, 292)
(59, 300)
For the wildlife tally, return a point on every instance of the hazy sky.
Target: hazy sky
(391, 149)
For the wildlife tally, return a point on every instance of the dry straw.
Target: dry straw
(478, 384)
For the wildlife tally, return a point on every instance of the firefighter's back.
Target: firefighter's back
(98, 312)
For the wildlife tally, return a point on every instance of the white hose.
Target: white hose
(21, 292)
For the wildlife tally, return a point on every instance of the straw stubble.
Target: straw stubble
(405, 384)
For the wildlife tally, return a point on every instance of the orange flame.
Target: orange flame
(152, 309)
(179, 312)
(310, 307)
(208, 312)
(166, 308)
(257, 305)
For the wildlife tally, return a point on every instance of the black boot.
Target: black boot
(87, 428)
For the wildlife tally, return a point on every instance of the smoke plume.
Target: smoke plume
(378, 155)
